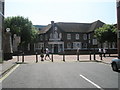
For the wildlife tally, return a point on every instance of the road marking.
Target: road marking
(91, 82)
(4, 77)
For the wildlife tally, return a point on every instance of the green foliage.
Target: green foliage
(22, 27)
(106, 33)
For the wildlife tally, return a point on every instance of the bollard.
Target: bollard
(90, 55)
(101, 56)
(94, 56)
(63, 57)
(52, 57)
(77, 57)
(23, 57)
(36, 57)
(18, 58)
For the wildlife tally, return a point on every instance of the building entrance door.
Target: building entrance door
(55, 48)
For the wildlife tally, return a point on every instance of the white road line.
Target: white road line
(91, 82)
(4, 77)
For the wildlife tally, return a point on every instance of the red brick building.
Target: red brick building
(62, 36)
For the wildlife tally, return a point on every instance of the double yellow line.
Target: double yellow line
(6, 75)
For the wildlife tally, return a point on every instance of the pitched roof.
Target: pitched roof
(45, 29)
(75, 27)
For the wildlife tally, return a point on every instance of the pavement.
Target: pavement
(7, 65)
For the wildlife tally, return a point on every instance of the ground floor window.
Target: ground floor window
(68, 45)
(76, 45)
(39, 46)
(84, 45)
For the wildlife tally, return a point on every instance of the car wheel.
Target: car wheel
(114, 67)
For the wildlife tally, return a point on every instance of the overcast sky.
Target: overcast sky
(42, 12)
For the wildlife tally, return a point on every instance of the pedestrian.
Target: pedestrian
(104, 51)
(42, 54)
(100, 52)
(47, 53)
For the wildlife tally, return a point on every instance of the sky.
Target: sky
(42, 12)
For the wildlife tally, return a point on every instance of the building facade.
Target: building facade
(59, 37)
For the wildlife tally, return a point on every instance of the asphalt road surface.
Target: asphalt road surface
(62, 75)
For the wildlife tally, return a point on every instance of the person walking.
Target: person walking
(47, 53)
(100, 52)
(42, 54)
(104, 51)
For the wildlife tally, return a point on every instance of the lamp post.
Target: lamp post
(1, 28)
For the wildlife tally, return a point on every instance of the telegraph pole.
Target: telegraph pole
(118, 27)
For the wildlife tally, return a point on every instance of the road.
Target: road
(62, 75)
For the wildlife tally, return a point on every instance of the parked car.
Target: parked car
(115, 64)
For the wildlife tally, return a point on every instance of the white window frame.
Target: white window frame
(69, 45)
(89, 36)
(84, 36)
(60, 35)
(75, 45)
(51, 35)
(95, 41)
(68, 36)
(46, 37)
(84, 46)
(77, 36)
(41, 37)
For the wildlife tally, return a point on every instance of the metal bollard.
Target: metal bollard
(63, 57)
(94, 56)
(52, 57)
(78, 57)
(36, 57)
(101, 56)
(18, 57)
(23, 57)
(90, 55)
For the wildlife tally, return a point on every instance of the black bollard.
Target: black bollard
(77, 57)
(94, 56)
(23, 57)
(52, 57)
(101, 56)
(90, 55)
(63, 57)
(18, 57)
(36, 57)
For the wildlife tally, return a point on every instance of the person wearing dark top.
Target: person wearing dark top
(42, 54)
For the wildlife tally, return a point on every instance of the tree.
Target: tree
(106, 33)
(22, 27)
